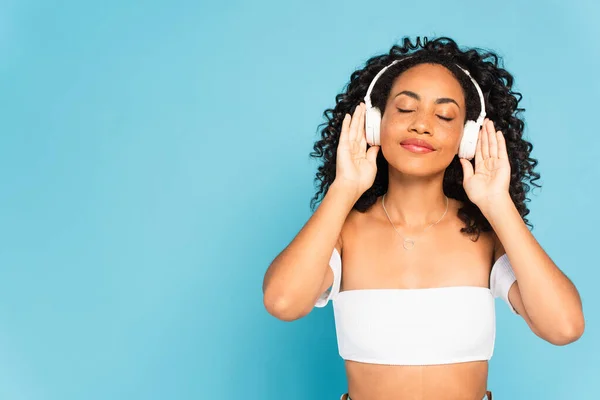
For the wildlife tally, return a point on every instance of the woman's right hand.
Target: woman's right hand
(356, 166)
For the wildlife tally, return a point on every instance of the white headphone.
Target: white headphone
(468, 143)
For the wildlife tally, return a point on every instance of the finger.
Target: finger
(492, 139)
(502, 153)
(345, 128)
(361, 129)
(478, 156)
(467, 168)
(362, 135)
(353, 133)
(362, 144)
(485, 146)
(372, 154)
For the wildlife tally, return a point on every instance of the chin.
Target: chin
(418, 165)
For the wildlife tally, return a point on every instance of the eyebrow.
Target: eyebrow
(441, 100)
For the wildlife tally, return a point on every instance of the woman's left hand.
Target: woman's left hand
(490, 180)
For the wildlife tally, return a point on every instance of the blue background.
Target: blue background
(154, 159)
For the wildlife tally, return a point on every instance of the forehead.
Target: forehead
(429, 80)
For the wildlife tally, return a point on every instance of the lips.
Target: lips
(417, 145)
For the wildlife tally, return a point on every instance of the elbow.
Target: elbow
(568, 333)
(282, 308)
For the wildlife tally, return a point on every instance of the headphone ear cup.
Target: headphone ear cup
(372, 126)
(468, 143)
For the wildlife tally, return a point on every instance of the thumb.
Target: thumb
(372, 154)
(467, 168)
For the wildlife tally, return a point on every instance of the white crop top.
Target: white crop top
(417, 326)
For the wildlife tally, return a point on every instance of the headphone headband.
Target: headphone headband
(479, 92)
(372, 85)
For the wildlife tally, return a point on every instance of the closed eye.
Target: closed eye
(404, 111)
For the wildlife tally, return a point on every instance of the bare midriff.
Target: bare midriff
(460, 381)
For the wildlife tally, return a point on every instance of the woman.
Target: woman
(421, 224)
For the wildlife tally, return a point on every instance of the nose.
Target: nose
(420, 124)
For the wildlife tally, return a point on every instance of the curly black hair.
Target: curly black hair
(501, 107)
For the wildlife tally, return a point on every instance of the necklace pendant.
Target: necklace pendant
(408, 244)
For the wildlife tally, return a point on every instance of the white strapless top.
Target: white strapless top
(417, 326)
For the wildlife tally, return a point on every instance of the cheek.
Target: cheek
(450, 138)
(393, 127)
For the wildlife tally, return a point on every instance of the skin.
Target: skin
(442, 256)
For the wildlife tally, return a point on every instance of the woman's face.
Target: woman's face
(423, 120)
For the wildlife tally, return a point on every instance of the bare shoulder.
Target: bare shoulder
(485, 240)
(361, 218)
(359, 221)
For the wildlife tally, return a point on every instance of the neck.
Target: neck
(415, 202)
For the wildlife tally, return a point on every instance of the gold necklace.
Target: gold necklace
(409, 243)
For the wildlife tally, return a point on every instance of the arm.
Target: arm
(300, 273)
(543, 295)
(545, 298)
